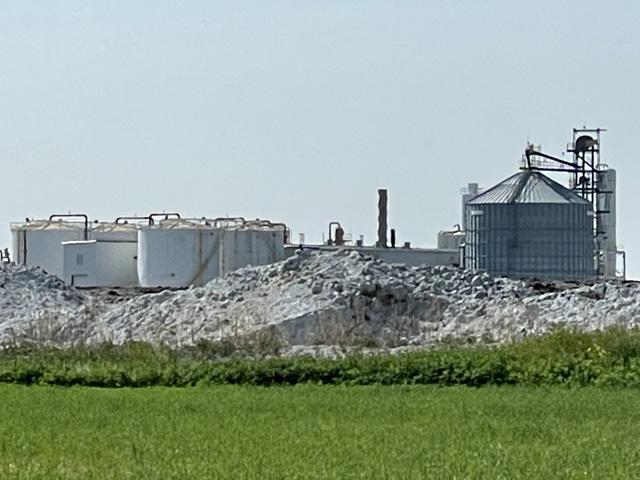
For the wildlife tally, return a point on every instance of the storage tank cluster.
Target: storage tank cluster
(169, 252)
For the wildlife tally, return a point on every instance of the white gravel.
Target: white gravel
(314, 300)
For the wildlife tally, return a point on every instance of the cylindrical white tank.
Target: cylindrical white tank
(251, 245)
(114, 232)
(39, 243)
(607, 220)
(177, 253)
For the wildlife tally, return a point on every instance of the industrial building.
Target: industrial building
(166, 250)
(529, 225)
(385, 247)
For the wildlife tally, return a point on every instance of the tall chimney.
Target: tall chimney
(382, 218)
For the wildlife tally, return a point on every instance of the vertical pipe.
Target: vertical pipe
(382, 218)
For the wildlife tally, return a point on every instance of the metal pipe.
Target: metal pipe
(285, 229)
(331, 224)
(165, 215)
(530, 152)
(260, 223)
(227, 219)
(24, 257)
(75, 215)
(219, 221)
(134, 218)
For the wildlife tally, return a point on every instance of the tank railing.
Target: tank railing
(134, 218)
(164, 216)
(74, 215)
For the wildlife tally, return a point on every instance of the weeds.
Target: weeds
(609, 358)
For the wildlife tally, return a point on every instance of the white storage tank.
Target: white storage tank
(251, 245)
(114, 232)
(39, 242)
(100, 263)
(606, 203)
(178, 253)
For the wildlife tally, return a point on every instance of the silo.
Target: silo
(530, 226)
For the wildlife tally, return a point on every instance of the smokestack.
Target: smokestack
(382, 218)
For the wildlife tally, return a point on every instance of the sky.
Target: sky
(298, 111)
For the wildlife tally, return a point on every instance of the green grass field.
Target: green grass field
(310, 431)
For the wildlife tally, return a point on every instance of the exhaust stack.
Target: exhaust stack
(382, 219)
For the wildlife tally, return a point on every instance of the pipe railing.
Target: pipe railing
(126, 220)
(74, 215)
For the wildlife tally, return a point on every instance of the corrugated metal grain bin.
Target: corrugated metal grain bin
(530, 226)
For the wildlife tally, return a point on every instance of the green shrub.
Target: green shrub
(563, 357)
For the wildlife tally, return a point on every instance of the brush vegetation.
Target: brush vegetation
(610, 358)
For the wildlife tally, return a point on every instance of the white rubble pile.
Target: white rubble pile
(317, 301)
(38, 307)
(345, 298)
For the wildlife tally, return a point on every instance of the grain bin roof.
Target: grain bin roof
(528, 186)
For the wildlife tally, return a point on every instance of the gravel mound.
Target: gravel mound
(345, 298)
(316, 301)
(38, 307)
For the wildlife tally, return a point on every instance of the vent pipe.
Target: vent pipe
(382, 218)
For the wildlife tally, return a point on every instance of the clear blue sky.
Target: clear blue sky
(300, 110)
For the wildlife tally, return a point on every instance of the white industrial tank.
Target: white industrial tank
(606, 205)
(178, 253)
(39, 242)
(251, 245)
(114, 232)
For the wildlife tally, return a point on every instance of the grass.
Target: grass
(311, 431)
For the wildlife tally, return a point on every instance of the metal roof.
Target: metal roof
(528, 186)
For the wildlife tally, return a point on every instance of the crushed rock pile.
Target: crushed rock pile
(38, 307)
(344, 297)
(320, 298)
